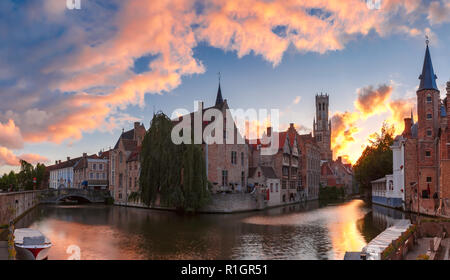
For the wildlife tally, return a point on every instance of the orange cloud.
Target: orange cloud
(370, 102)
(10, 135)
(7, 157)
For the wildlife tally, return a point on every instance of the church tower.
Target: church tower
(322, 127)
(428, 103)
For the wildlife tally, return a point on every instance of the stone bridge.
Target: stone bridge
(93, 196)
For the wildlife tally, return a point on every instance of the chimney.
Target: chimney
(269, 131)
(56, 162)
(339, 159)
(84, 155)
(408, 124)
(136, 125)
(59, 161)
(68, 158)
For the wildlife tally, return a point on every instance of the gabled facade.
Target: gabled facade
(227, 163)
(127, 143)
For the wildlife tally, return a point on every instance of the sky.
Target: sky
(72, 79)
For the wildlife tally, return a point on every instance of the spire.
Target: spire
(428, 78)
(219, 99)
(412, 116)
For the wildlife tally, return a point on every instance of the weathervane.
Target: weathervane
(427, 39)
(219, 75)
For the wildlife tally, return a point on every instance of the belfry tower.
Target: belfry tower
(322, 127)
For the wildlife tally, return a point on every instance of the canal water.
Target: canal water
(302, 231)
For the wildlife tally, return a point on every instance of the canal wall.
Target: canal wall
(223, 203)
(14, 205)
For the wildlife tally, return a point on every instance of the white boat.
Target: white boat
(31, 244)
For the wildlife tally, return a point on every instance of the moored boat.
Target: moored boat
(31, 244)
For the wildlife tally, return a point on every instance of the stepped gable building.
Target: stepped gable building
(285, 163)
(227, 163)
(322, 127)
(427, 148)
(119, 175)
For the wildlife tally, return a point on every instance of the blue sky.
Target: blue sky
(253, 76)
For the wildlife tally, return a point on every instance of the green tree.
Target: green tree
(376, 159)
(174, 173)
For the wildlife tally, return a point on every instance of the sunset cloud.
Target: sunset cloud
(79, 79)
(7, 157)
(370, 101)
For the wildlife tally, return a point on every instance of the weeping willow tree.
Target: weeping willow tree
(174, 173)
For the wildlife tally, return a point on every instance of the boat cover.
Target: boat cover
(375, 247)
(28, 236)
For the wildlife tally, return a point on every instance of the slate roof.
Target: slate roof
(125, 135)
(64, 164)
(267, 171)
(219, 99)
(427, 78)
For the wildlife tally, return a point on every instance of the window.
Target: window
(100, 166)
(319, 138)
(120, 180)
(271, 187)
(259, 174)
(276, 187)
(283, 184)
(428, 179)
(224, 177)
(429, 98)
(429, 116)
(91, 175)
(120, 157)
(113, 177)
(285, 171)
(94, 166)
(130, 183)
(427, 153)
(429, 132)
(233, 157)
(243, 178)
(242, 158)
(97, 175)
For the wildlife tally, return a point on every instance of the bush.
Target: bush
(331, 193)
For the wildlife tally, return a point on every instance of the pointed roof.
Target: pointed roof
(427, 78)
(219, 99)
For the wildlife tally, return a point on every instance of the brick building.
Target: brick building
(322, 127)
(427, 148)
(285, 163)
(119, 175)
(91, 172)
(227, 162)
(337, 174)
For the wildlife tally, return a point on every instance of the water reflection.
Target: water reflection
(303, 231)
